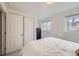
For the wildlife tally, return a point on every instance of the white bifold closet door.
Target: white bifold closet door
(14, 32)
(28, 30)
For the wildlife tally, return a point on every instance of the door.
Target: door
(14, 32)
(28, 29)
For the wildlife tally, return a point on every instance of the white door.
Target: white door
(14, 32)
(28, 29)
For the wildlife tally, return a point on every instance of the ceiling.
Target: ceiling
(41, 9)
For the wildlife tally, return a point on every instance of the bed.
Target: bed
(50, 47)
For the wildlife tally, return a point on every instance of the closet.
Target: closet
(19, 31)
(29, 29)
(14, 32)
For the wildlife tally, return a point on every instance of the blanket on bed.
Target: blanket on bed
(49, 47)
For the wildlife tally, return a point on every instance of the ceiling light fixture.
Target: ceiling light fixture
(49, 2)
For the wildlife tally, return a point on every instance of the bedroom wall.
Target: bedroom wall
(72, 36)
(12, 11)
(58, 26)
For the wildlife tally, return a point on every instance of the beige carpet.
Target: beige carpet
(16, 53)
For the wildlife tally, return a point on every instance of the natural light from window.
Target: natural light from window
(46, 26)
(72, 23)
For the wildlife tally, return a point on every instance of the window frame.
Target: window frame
(73, 21)
(46, 21)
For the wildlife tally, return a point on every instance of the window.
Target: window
(46, 26)
(72, 23)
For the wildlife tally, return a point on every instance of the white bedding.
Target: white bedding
(49, 47)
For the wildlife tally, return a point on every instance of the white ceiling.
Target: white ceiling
(41, 9)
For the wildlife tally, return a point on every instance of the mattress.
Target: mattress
(49, 47)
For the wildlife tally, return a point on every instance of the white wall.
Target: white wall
(58, 25)
(72, 36)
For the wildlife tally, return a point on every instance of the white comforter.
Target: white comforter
(49, 47)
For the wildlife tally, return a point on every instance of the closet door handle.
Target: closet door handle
(22, 34)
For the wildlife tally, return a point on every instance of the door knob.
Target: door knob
(21, 34)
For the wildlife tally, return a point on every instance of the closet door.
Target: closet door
(14, 32)
(28, 29)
